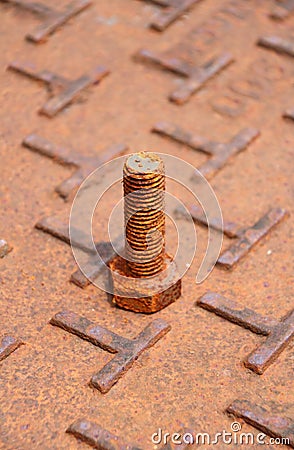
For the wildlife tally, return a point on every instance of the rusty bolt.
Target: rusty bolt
(144, 185)
(145, 256)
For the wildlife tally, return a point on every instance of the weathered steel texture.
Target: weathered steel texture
(246, 238)
(68, 157)
(127, 351)
(92, 269)
(279, 332)
(55, 227)
(250, 237)
(97, 437)
(43, 386)
(62, 92)
(271, 424)
(5, 248)
(60, 230)
(221, 153)
(200, 77)
(8, 344)
(51, 19)
(261, 358)
(172, 12)
(278, 44)
(197, 76)
(230, 229)
(167, 286)
(282, 10)
(201, 44)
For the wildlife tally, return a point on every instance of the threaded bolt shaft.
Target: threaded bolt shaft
(144, 186)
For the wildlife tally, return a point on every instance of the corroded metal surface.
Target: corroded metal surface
(191, 375)
(279, 332)
(51, 19)
(262, 419)
(250, 237)
(230, 229)
(97, 437)
(68, 157)
(245, 238)
(62, 91)
(221, 153)
(197, 76)
(261, 358)
(127, 351)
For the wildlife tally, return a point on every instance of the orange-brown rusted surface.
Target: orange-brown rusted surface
(193, 374)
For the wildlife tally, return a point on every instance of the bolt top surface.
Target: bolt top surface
(144, 162)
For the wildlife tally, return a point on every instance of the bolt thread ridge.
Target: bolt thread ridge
(144, 187)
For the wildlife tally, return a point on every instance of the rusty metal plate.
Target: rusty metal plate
(217, 94)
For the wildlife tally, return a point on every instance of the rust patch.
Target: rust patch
(146, 301)
(279, 332)
(260, 418)
(62, 91)
(51, 19)
(127, 351)
(278, 44)
(221, 153)
(8, 344)
(250, 237)
(68, 157)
